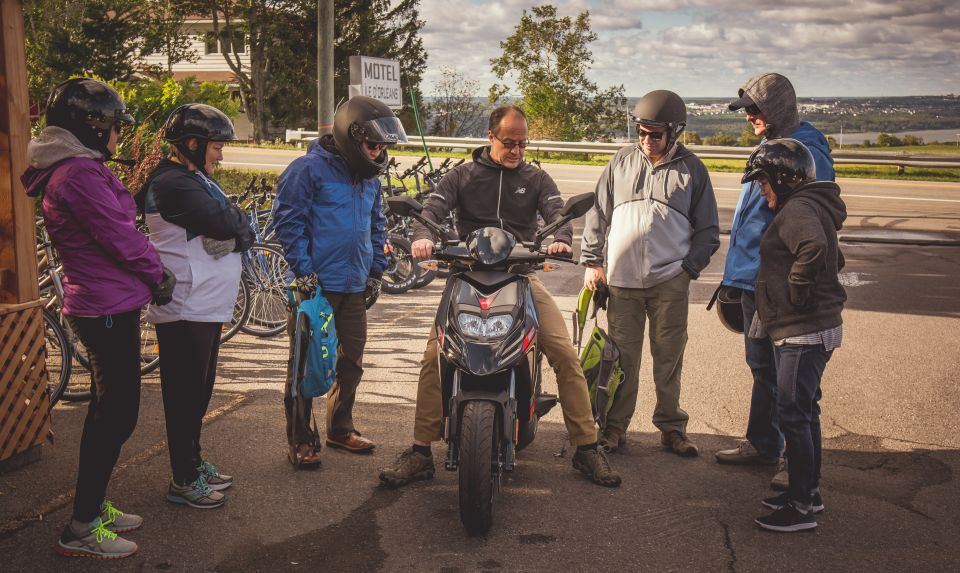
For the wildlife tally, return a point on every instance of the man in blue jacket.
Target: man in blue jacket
(770, 103)
(329, 221)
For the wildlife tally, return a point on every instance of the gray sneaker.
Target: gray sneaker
(781, 481)
(118, 521)
(197, 494)
(594, 464)
(410, 466)
(95, 541)
(744, 453)
(216, 480)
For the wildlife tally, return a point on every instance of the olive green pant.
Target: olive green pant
(666, 307)
(554, 341)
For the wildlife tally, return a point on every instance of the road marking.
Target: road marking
(255, 164)
(858, 196)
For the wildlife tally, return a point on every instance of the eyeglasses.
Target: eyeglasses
(752, 109)
(372, 146)
(654, 135)
(510, 145)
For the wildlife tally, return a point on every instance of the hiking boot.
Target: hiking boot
(788, 519)
(118, 521)
(94, 540)
(612, 439)
(216, 480)
(678, 443)
(196, 494)
(594, 464)
(776, 502)
(744, 453)
(781, 481)
(410, 466)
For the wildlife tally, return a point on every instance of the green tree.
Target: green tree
(691, 138)
(912, 140)
(550, 57)
(887, 140)
(104, 38)
(748, 138)
(455, 109)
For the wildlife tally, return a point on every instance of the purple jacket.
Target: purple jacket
(109, 267)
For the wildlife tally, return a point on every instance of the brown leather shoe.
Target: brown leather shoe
(612, 439)
(678, 443)
(304, 456)
(352, 442)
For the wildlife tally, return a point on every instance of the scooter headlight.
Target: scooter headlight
(497, 325)
(492, 327)
(470, 324)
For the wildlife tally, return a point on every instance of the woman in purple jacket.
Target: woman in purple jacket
(110, 272)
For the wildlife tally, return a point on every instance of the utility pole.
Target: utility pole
(325, 66)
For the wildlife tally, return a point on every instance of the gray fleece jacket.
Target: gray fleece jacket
(650, 223)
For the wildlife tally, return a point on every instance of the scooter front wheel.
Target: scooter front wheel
(479, 450)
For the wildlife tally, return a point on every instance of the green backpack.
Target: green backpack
(599, 359)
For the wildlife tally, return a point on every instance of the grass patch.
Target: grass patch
(234, 181)
(932, 149)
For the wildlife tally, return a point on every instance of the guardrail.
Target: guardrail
(859, 157)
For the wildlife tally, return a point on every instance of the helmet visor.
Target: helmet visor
(385, 130)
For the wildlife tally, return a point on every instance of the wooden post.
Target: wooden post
(24, 405)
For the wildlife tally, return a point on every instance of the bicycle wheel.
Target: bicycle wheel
(265, 271)
(79, 385)
(58, 357)
(149, 346)
(401, 270)
(241, 309)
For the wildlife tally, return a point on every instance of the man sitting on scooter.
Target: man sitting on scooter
(499, 189)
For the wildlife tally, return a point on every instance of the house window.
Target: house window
(211, 46)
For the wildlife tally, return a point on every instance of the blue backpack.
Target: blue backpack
(315, 320)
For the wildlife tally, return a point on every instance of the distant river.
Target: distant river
(944, 135)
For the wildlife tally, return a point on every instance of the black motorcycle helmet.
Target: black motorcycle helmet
(202, 122)
(662, 108)
(365, 120)
(88, 109)
(786, 163)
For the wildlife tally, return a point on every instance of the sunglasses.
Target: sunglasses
(654, 135)
(512, 144)
(375, 146)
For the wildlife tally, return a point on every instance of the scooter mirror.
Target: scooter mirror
(404, 206)
(578, 205)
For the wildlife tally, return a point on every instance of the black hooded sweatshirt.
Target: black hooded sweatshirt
(486, 194)
(798, 288)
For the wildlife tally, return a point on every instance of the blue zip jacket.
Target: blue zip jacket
(330, 222)
(753, 216)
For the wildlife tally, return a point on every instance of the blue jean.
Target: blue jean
(799, 370)
(763, 429)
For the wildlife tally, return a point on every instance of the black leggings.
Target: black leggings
(188, 368)
(113, 344)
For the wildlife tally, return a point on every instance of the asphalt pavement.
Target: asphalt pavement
(891, 440)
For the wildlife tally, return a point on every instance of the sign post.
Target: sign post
(377, 78)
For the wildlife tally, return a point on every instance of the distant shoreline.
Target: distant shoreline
(928, 135)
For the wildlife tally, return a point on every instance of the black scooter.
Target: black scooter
(489, 357)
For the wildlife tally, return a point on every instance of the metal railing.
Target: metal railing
(859, 157)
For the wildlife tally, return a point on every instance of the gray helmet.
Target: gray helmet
(203, 122)
(786, 163)
(88, 109)
(662, 108)
(365, 120)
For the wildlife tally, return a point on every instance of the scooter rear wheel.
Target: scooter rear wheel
(479, 450)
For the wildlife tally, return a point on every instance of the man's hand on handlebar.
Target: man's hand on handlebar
(422, 249)
(556, 248)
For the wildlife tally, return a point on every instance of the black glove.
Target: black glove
(163, 291)
(372, 292)
(600, 297)
(307, 284)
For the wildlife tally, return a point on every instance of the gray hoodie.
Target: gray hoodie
(774, 95)
(54, 144)
(651, 223)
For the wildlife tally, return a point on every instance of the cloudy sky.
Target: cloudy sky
(702, 48)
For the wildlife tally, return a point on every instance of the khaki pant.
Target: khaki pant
(555, 343)
(666, 306)
(350, 317)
